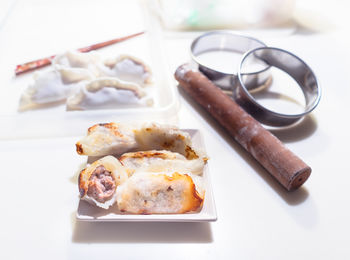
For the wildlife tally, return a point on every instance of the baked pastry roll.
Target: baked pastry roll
(150, 193)
(107, 139)
(161, 161)
(149, 136)
(99, 181)
(153, 136)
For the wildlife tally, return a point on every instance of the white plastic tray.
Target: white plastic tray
(39, 37)
(89, 212)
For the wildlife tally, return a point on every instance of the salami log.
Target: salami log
(288, 169)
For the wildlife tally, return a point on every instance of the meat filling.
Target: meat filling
(101, 185)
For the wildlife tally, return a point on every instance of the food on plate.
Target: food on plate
(156, 168)
(84, 81)
(148, 136)
(107, 139)
(106, 92)
(161, 161)
(150, 193)
(99, 181)
(165, 162)
(153, 136)
(128, 68)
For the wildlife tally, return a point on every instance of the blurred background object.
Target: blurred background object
(251, 14)
(5, 8)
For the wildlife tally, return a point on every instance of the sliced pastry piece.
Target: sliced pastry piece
(107, 92)
(128, 68)
(161, 161)
(107, 139)
(99, 181)
(47, 88)
(150, 193)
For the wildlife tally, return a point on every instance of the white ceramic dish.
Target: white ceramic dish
(88, 212)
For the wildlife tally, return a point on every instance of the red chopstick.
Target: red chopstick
(35, 64)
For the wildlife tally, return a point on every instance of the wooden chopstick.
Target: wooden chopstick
(35, 64)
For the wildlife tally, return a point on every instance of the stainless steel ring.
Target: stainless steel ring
(226, 41)
(292, 65)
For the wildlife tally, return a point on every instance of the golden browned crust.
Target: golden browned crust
(79, 148)
(92, 128)
(113, 127)
(81, 183)
(198, 200)
(192, 200)
(181, 137)
(168, 144)
(146, 154)
(190, 153)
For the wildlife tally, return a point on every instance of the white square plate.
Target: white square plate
(88, 212)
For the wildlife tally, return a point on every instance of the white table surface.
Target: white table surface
(257, 218)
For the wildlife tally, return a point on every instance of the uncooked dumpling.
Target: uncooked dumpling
(53, 86)
(107, 92)
(47, 88)
(128, 68)
(72, 75)
(89, 83)
(75, 60)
